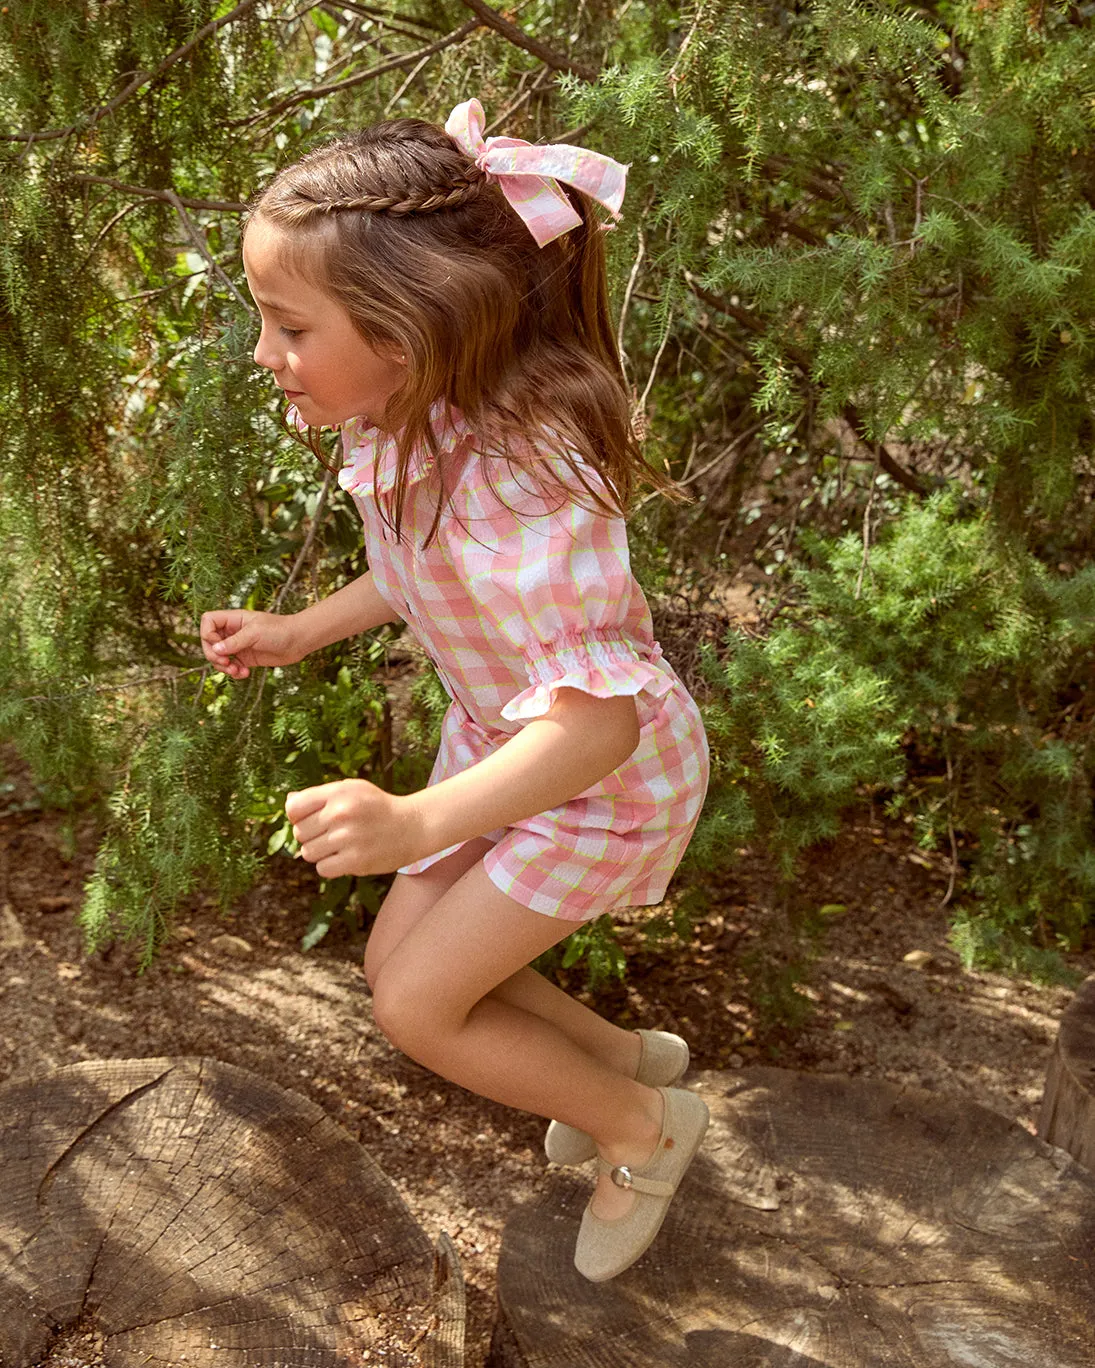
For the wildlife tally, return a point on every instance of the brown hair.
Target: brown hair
(425, 253)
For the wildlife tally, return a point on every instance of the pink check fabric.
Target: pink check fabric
(515, 598)
(526, 173)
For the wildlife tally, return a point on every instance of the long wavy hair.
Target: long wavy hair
(401, 227)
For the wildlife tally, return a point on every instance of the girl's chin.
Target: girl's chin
(309, 409)
(311, 414)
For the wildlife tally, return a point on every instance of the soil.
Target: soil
(238, 988)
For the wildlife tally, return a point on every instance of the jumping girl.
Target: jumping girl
(442, 301)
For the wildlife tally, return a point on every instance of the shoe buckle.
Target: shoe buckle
(621, 1176)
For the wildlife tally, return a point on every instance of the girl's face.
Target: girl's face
(309, 343)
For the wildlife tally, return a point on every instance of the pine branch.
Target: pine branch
(115, 688)
(317, 519)
(519, 38)
(141, 79)
(340, 8)
(393, 64)
(723, 306)
(203, 248)
(812, 180)
(905, 478)
(168, 196)
(801, 359)
(785, 224)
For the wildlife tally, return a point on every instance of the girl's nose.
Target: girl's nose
(265, 354)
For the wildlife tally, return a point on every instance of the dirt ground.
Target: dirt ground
(239, 989)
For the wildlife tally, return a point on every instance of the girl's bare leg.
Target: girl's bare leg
(411, 896)
(435, 998)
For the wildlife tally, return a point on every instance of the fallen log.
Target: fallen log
(826, 1223)
(183, 1212)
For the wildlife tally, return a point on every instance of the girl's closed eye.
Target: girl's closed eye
(290, 332)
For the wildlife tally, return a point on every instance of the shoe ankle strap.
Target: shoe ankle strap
(627, 1178)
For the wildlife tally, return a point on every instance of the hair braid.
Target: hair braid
(399, 168)
(428, 201)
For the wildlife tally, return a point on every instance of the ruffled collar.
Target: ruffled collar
(370, 455)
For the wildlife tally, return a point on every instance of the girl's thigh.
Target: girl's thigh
(468, 941)
(410, 897)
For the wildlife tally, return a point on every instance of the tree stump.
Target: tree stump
(194, 1214)
(1068, 1107)
(826, 1223)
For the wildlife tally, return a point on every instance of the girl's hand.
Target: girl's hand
(353, 827)
(235, 640)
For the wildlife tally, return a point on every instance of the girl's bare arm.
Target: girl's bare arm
(353, 827)
(551, 760)
(235, 640)
(356, 607)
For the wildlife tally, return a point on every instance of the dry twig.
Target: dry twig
(519, 38)
(393, 64)
(203, 248)
(169, 196)
(317, 518)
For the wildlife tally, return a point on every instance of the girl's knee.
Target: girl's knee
(402, 1011)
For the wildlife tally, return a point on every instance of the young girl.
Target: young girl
(442, 301)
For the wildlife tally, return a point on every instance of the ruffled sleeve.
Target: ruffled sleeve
(553, 578)
(602, 664)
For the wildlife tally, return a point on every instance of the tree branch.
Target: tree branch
(519, 38)
(203, 248)
(375, 13)
(114, 688)
(393, 64)
(168, 196)
(785, 224)
(849, 412)
(824, 189)
(142, 78)
(906, 478)
(317, 519)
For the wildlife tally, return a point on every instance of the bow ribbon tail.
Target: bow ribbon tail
(544, 208)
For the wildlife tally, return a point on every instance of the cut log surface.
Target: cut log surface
(826, 1223)
(1068, 1107)
(196, 1215)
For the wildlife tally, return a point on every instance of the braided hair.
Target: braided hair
(397, 168)
(422, 249)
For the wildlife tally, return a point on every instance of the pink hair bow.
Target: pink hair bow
(526, 173)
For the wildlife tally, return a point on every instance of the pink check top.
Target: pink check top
(520, 594)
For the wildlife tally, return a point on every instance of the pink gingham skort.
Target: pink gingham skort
(520, 594)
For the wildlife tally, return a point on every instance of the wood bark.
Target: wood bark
(1068, 1106)
(826, 1223)
(195, 1214)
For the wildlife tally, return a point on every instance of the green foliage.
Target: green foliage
(595, 946)
(148, 862)
(858, 260)
(889, 255)
(930, 671)
(429, 702)
(327, 723)
(145, 476)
